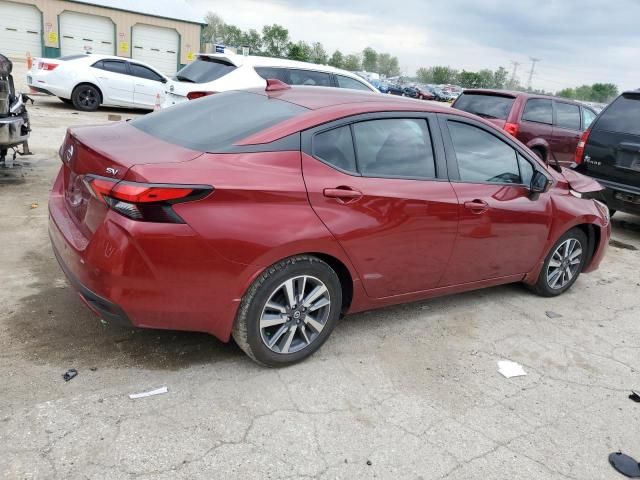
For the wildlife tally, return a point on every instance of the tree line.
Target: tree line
(598, 92)
(274, 41)
(484, 78)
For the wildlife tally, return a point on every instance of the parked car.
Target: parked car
(88, 81)
(265, 215)
(438, 94)
(410, 91)
(381, 86)
(454, 95)
(609, 151)
(395, 89)
(423, 93)
(219, 72)
(549, 126)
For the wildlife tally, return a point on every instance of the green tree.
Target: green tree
(567, 93)
(300, 51)
(275, 39)
(384, 64)
(469, 79)
(444, 75)
(212, 31)
(337, 59)
(500, 78)
(369, 60)
(603, 92)
(352, 63)
(318, 54)
(231, 35)
(485, 77)
(583, 92)
(425, 75)
(394, 67)
(253, 40)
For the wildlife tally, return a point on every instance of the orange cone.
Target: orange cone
(29, 61)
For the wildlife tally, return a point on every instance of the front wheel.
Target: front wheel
(86, 98)
(289, 311)
(563, 264)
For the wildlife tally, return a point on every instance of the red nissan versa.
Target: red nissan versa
(266, 214)
(549, 126)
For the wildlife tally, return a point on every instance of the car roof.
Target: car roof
(257, 61)
(326, 104)
(515, 93)
(91, 58)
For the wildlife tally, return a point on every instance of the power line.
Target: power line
(513, 72)
(533, 66)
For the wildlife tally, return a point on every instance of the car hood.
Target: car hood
(579, 182)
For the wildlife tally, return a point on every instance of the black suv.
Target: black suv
(609, 151)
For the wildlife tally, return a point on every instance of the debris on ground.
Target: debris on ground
(635, 396)
(510, 369)
(552, 314)
(34, 205)
(150, 393)
(624, 464)
(93, 369)
(114, 118)
(69, 374)
(369, 462)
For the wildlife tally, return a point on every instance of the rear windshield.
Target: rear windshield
(622, 116)
(73, 57)
(487, 106)
(204, 69)
(214, 123)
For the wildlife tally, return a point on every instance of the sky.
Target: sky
(578, 41)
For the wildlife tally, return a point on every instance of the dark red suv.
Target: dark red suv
(549, 126)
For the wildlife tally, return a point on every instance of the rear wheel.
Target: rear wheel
(86, 98)
(563, 264)
(289, 311)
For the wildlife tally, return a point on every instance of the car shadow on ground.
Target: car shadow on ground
(54, 103)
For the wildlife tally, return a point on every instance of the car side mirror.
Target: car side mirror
(164, 80)
(539, 182)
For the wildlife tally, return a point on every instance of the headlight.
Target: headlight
(604, 210)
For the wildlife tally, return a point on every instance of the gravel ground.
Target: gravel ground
(404, 392)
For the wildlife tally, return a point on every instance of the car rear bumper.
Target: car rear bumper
(624, 198)
(148, 275)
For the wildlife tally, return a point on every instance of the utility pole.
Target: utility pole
(513, 72)
(533, 66)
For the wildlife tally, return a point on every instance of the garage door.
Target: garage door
(20, 30)
(156, 46)
(80, 32)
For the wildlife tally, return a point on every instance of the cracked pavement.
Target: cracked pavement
(408, 392)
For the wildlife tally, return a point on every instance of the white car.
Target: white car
(88, 81)
(219, 72)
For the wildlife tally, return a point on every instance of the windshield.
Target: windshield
(203, 70)
(487, 106)
(216, 122)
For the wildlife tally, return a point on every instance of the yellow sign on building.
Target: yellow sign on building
(52, 37)
(124, 47)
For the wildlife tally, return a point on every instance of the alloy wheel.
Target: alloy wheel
(564, 264)
(295, 314)
(88, 98)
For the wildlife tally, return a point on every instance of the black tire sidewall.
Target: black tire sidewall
(542, 285)
(317, 269)
(76, 101)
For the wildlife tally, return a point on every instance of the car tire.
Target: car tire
(66, 100)
(559, 271)
(288, 333)
(86, 97)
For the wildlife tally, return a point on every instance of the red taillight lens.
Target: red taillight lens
(511, 128)
(581, 144)
(144, 201)
(194, 95)
(47, 66)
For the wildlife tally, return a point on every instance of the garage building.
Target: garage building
(163, 33)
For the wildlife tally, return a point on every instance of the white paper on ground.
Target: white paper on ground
(150, 393)
(510, 369)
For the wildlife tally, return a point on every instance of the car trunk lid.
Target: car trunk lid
(107, 151)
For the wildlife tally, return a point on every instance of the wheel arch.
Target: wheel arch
(344, 275)
(92, 84)
(541, 145)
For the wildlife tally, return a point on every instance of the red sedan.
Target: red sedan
(266, 214)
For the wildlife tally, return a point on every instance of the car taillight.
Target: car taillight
(511, 128)
(581, 144)
(194, 95)
(47, 66)
(146, 202)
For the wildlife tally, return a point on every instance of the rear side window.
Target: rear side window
(267, 73)
(114, 66)
(487, 106)
(346, 82)
(144, 72)
(622, 116)
(538, 110)
(309, 77)
(482, 157)
(336, 148)
(204, 69)
(587, 118)
(567, 116)
(215, 122)
(394, 148)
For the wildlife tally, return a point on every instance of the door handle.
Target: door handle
(343, 194)
(477, 206)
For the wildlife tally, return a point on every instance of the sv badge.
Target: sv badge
(112, 171)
